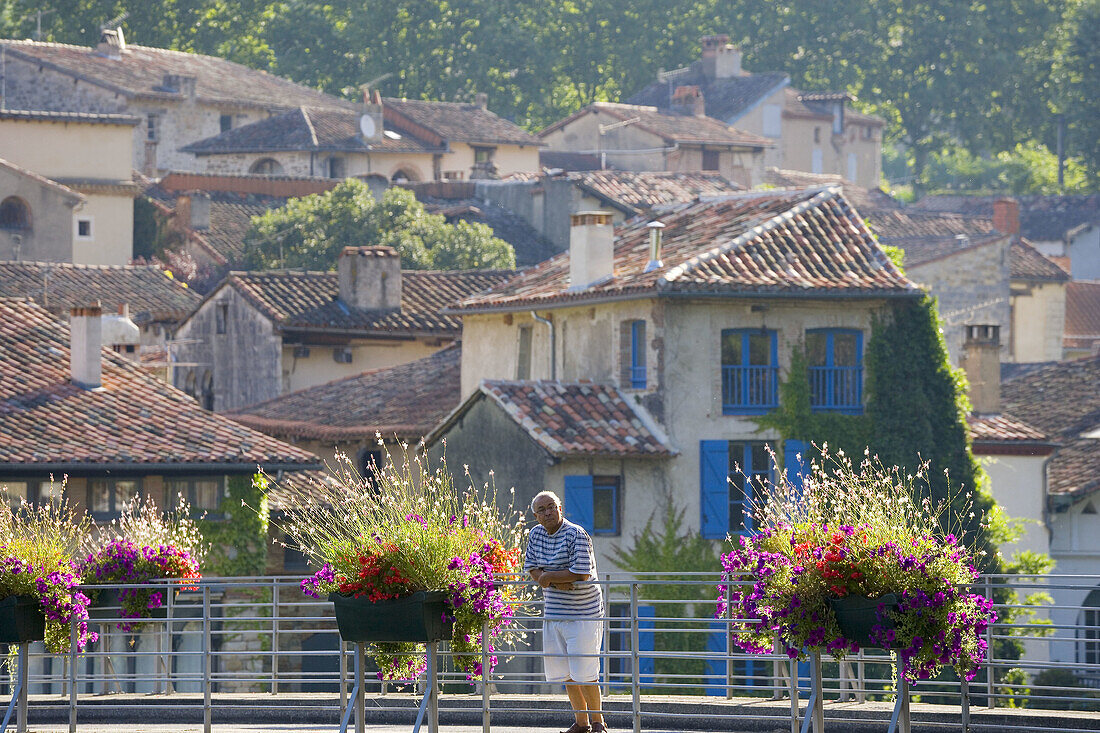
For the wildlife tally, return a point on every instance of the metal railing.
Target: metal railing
(226, 645)
(749, 388)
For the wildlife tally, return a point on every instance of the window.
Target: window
(368, 463)
(225, 123)
(593, 502)
(632, 354)
(1088, 630)
(33, 491)
(838, 117)
(15, 215)
(817, 161)
(152, 127)
(404, 175)
(817, 134)
(835, 358)
(107, 496)
(206, 397)
(732, 474)
(204, 494)
(221, 317)
(773, 120)
(334, 167)
(83, 228)
(483, 155)
(266, 167)
(523, 357)
(853, 167)
(710, 160)
(750, 371)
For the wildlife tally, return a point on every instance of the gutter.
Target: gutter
(81, 469)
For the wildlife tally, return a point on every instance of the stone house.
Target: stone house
(815, 132)
(1082, 325)
(1039, 303)
(259, 335)
(178, 97)
(653, 353)
(545, 201)
(87, 216)
(382, 141)
(644, 138)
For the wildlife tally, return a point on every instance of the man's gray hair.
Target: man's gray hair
(541, 494)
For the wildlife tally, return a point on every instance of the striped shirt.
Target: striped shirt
(570, 548)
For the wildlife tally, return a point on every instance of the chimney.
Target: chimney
(591, 249)
(1006, 216)
(720, 59)
(982, 363)
(689, 99)
(85, 359)
(111, 43)
(200, 211)
(654, 263)
(481, 100)
(371, 124)
(370, 278)
(120, 333)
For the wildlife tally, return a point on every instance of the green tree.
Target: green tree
(310, 232)
(1082, 84)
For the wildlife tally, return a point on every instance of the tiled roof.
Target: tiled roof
(530, 246)
(91, 118)
(1002, 429)
(818, 105)
(140, 73)
(309, 128)
(406, 401)
(805, 243)
(150, 293)
(135, 419)
(578, 419)
(309, 300)
(672, 128)
(1082, 329)
(637, 192)
(1027, 263)
(455, 121)
(863, 199)
(726, 99)
(567, 161)
(74, 196)
(1063, 400)
(1042, 218)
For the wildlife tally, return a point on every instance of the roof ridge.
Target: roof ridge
(827, 193)
(309, 126)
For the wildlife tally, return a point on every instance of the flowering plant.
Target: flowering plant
(141, 545)
(404, 529)
(36, 545)
(856, 532)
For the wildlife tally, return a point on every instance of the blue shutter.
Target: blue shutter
(646, 636)
(578, 501)
(714, 488)
(715, 668)
(796, 462)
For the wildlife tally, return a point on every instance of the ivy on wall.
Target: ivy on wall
(916, 411)
(239, 539)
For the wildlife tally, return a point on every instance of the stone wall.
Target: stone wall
(50, 236)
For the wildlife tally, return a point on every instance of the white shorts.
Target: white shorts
(571, 649)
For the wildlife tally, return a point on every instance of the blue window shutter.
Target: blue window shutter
(796, 462)
(578, 501)
(646, 636)
(714, 493)
(715, 668)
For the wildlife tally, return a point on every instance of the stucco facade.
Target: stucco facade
(46, 233)
(319, 365)
(1038, 321)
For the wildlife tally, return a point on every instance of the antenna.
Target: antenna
(114, 22)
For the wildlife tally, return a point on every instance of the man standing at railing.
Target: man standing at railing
(559, 557)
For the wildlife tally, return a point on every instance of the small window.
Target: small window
(633, 356)
(335, 168)
(15, 215)
(710, 160)
(523, 357)
(204, 494)
(106, 497)
(404, 175)
(266, 167)
(838, 118)
(221, 318)
(225, 123)
(483, 155)
(84, 227)
(593, 502)
(773, 120)
(817, 134)
(152, 127)
(1088, 630)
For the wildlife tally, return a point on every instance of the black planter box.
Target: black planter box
(416, 617)
(857, 614)
(21, 619)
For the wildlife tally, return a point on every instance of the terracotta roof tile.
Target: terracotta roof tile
(135, 418)
(725, 99)
(407, 400)
(141, 70)
(1042, 218)
(1027, 263)
(672, 128)
(795, 242)
(1082, 329)
(1001, 428)
(309, 300)
(460, 122)
(150, 293)
(637, 192)
(571, 419)
(91, 118)
(1063, 400)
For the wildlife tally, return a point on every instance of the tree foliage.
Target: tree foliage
(310, 233)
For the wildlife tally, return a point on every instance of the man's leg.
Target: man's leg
(578, 700)
(592, 702)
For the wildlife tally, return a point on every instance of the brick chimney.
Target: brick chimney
(370, 278)
(193, 210)
(86, 335)
(111, 43)
(481, 100)
(982, 362)
(591, 249)
(720, 59)
(1006, 216)
(689, 99)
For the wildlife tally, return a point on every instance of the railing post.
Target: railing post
(73, 637)
(21, 726)
(485, 679)
(792, 683)
(207, 659)
(606, 668)
(861, 674)
(635, 678)
(433, 687)
(168, 625)
(729, 642)
(964, 694)
(274, 636)
(360, 695)
(991, 701)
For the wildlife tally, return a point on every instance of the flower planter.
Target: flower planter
(857, 615)
(21, 619)
(107, 605)
(417, 617)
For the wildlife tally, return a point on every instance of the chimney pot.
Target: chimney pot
(591, 249)
(721, 60)
(370, 278)
(86, 341)
(982, 363)
(1006, 216)
(481, 100)
(655, 228)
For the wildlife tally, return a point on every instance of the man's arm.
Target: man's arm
(556, 578)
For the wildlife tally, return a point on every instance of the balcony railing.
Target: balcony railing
(837, 388)
(749, 390)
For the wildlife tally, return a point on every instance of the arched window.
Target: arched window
(266, 167)
(207, 398)
(1088, 630)
(15, 215)
(189, 384)
(404, 175)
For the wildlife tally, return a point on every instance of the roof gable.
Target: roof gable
(637, 192)
(726, 99)
(73, 197)
(671, 128)
(458, 122)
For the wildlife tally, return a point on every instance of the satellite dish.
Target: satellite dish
(366, 126)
